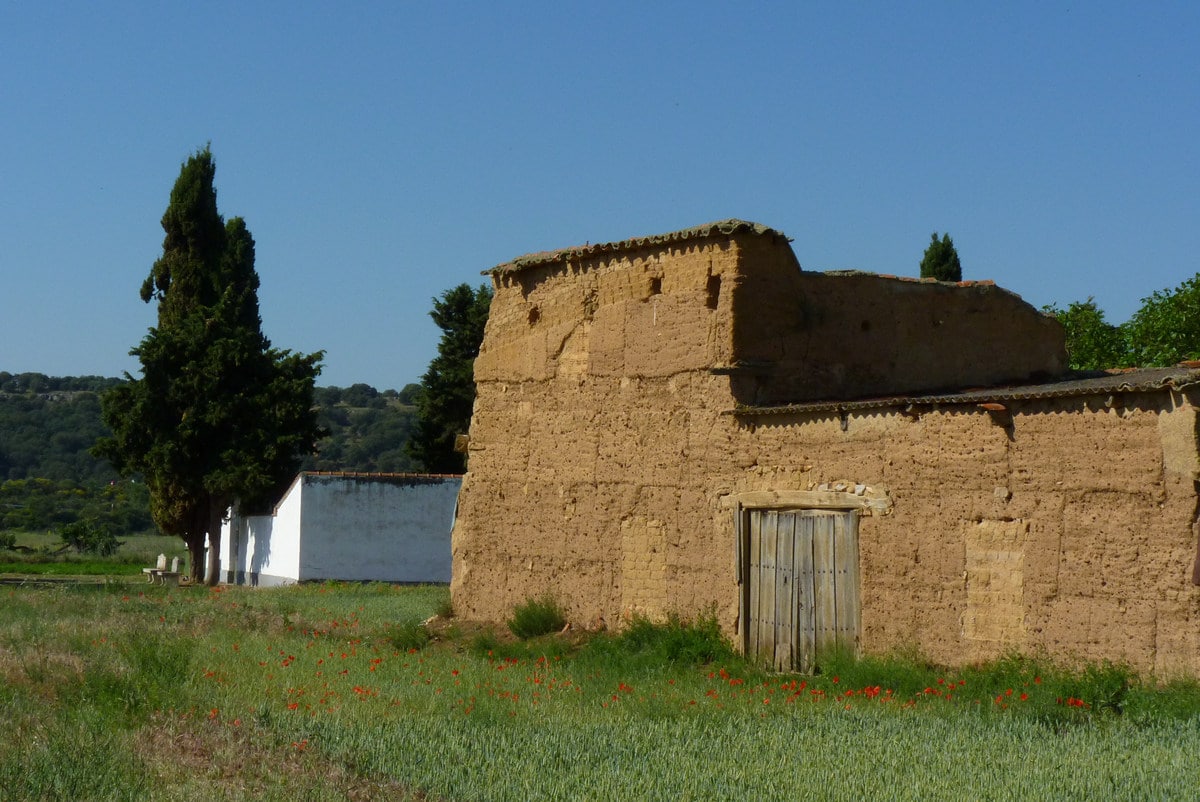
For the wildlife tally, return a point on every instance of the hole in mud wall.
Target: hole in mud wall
(655, 285)
(866, 325)
(712, 292)
(535, 315)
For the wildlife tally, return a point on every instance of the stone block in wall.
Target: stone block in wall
(994, 621)
(643, 566)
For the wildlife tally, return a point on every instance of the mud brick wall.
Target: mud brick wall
(1069, 534)
(606, 445)
(596, 424)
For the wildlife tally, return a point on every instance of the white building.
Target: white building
(346, 526)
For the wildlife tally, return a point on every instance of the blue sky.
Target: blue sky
(383, 152)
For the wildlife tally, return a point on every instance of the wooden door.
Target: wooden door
(799, 575)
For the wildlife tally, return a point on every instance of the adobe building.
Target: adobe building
(691, 423)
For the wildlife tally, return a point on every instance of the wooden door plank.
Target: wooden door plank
(766, 594)
(785, 594)
(755, 582)
(824, 591)
(802, 556)
(847, 581)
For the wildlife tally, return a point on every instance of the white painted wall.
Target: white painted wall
(354, 527)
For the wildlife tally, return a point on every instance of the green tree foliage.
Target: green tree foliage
(410, 394)
(46, 433)
(370, 437)
(941, 260)
(218, 415)
(87, 537)
(1092, 342)
(49, 477)
(1166, 329)
(448, 387)
(38, 504)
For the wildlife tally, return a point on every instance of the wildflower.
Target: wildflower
(1024, 697)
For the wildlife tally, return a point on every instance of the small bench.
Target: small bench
(159, 576)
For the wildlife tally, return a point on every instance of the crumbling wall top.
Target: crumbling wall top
(720, 228)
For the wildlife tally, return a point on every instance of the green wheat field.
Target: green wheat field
(125, 691)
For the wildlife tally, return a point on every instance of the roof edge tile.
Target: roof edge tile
(1139, 380)
(725, 228)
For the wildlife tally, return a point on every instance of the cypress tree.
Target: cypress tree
(218, 415)
(941, 260)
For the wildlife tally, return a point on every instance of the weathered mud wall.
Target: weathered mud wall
(1069, 532)
(596, 423)
(604, 451)
(845, 335)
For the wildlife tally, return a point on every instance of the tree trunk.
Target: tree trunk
(195, 547)
(216, 513)
(194, 537)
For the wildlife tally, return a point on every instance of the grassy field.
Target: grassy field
(40, 553)
(330, 692)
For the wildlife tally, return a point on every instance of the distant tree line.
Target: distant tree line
(49, 479)
(368, 430)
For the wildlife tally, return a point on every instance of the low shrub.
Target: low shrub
(410, 636)
(536, 617)
(677, 640)
(88, 538)
(485, 644)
